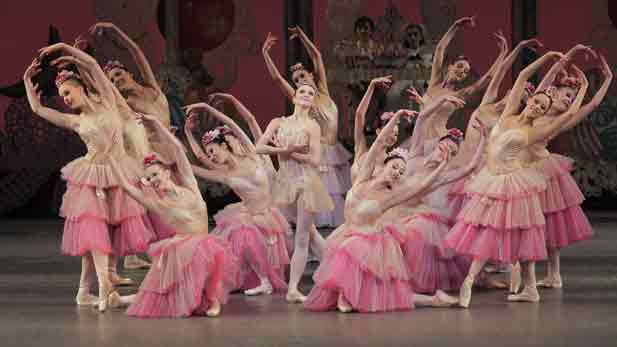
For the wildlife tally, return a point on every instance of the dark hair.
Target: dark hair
(550, 99)
(392, 157)
(452, 138)
(415, 26)
(459, 58)
(364, 20)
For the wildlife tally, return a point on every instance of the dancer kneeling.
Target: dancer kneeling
(363, 268)
(193, 271)
(255, 229)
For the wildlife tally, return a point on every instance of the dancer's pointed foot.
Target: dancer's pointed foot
(465, 292)
(116, 280)
(265, 288)
(441, 299)
(214, 310)
(105, 289)
(515, 278)
(529, 294)
(295, 297)
(342, 304)
(133, 262)
(551, 282)
(84, 298)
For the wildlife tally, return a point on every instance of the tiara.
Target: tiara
(66, 75)
(296, 67)
(399, 152)
(211, 135)
(151, 159)
(112, 64)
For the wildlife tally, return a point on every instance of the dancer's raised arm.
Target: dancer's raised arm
(483, 81)
(316, 58)
(287, 89)
(457, 174)
(130, 189)
(360, 146)
(235, 129)
(437, 71)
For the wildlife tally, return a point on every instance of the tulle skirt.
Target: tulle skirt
(258, 241)
(368, 268)
(295, 182)
(100, 216)
(566, 222)
(502, 219)
(335, 175)
(188, 273)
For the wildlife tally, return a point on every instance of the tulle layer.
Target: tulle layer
(85, 235)
(188, 273)
(368, 269)
(566, 227)
(307, 186)
(502, 246)
(161, 230)
(561, 191)
(82, 172)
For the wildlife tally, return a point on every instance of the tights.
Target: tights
(301, 245)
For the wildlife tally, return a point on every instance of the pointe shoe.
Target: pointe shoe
(528, 294)
(295, 297)
(84, 298)
(550, 283)
(265, 288)
(465, 292)
(133, 262)
(116, 280)
(105, 290)
(342, 304)
(214, 310)
(114, 300)
(515, 279)
(441, 299)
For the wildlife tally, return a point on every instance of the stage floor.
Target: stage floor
(37, 289)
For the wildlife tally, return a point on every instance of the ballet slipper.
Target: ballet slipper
(441, 299)
(133, 262)
(342, 304)
(515, 278)
(116, 280)
(84, 298)
(114, 300)
(529, 294)
(549, 282)
(214, 310)
(295, 297)
(105, 289)
(465, 292)
(265, 288)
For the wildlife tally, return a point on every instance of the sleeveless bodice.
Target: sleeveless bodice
(186, 212)
(254, 191)
(361, 211)
(100, 132)
(506, 150)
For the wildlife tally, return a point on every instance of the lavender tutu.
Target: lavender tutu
(99, 216)
(188, 273)
(566, 222)
(368, 268)
(432, 265)
(257, 241)
(335, 175)
(502, 219)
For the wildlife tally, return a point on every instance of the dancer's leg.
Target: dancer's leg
(553, 270)
(318, 243)
(264, 283)
(86, 281)
(113, 273)
(440, 299)
(101, 264)
(300, 255)
(530, 292)
(465, 291)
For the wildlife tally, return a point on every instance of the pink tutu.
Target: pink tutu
(502, 219)
(188, 273)
(368, 268)
(432, 266)
(566, 222)
(258, 241)
(161, 230)
(335, 175)
(99, 213)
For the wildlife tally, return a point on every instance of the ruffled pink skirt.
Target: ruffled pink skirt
(188, 273)
(432, 265)
(100, 216)
(258, 241)
(566, 222)
(335, 175)
(368, 268)
(502, 220)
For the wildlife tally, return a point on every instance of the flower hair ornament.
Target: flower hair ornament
(66, 75)
(213, 134)
(112, 64)
(530, 88)
(454, 134)
(296, 67)
(568, 81)
(398, 152)
(151, 159)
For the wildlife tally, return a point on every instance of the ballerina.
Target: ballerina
(502, 220)
(364, 268)
(297, 182)
(254, 227)
(446, 80)
(334, 166)
(566, 222)
(97, 212)
(193, 271)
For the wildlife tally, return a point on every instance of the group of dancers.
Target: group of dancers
(420, 217)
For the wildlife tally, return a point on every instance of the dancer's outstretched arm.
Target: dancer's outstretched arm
(235, 129)
(130, 189)
(287, 89)
(437, 71)
(456, 174)
(560, 66)
(316, 58)
(360, 146)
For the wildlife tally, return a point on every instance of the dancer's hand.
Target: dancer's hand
(298, 148)
(294, 32)
(480, 126)
(502, 42)
(270, 41)
(100, 29)
(532, 44)
(413, 94)
(81, 43)
(409, 114)
(383, 82)
(218, 99)
(64, 61)
(586, 50)
(456, 101)
(466, 21)
(51, 49)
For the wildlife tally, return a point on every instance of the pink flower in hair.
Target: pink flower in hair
(150, 160)
(112, 64)
(399, 152)
(530, 88)
(568, 81)
(211, 135)
(455, 133)
(64, 76)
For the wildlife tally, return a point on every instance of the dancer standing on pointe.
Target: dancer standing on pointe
(566, 222)
(502, 221)
(193, 271)
(96, 210)
(334, 165)
(255, 229)
(364, 268)
(447, 80)
(298, 146)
